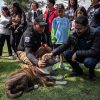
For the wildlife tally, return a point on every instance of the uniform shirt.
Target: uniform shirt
(30, 43)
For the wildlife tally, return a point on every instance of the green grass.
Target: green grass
(78, 88)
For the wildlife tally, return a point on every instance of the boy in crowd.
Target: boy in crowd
(60, 30)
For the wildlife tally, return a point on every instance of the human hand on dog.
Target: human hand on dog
(41, 63)
(47, 56)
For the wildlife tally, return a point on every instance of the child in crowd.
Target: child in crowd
(5, 32)
(60, 30)
(70, 10)
(81, 11)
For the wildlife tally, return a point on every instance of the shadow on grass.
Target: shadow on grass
(7, 67)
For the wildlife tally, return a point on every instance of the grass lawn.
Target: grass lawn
(78, 88)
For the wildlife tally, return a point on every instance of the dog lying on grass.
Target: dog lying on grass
(24, 80)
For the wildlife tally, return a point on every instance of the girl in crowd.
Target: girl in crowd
(81, 11)
(70, 10)
(5, 32)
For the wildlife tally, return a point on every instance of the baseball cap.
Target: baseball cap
(40, 20)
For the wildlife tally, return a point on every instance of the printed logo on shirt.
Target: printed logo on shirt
(27, 39)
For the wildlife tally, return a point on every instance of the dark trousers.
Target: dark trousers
(15, 39)
(48, 39)
(2, 41)
(89, 62)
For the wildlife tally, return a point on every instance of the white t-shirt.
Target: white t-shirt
(3, 22)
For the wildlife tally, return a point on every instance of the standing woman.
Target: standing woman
(70, 10)
(17, 25)
(5, 32)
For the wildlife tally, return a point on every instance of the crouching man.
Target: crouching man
(82, 46)
(33, 44)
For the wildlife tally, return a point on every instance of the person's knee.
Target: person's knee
(90, 63)
(68, 54)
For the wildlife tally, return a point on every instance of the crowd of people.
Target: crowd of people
(72, 33)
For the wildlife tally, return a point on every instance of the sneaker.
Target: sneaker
(41, 71)
(10, 57)
(55, 77)
(61, 65)
(60, 82)
(54, 67)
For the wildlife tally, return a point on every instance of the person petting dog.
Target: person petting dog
(82, 46)
(31, 41)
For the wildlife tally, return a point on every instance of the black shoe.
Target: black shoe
(92, 76)
(75, 74)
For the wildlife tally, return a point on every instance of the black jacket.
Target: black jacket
(89, 48)
(92, 12)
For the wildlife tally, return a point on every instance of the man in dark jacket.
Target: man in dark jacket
(85, 48)
(92, 12)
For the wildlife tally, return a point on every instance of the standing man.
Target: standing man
(82, 46)
(92, 12)
(34, 12)
(49, 15)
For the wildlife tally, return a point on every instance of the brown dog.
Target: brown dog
(27, 77)
(24, 80)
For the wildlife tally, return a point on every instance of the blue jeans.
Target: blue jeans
(89, 62)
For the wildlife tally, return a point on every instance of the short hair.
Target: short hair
(82, 20)
(60, 6)
(36, 3)
(52, 1)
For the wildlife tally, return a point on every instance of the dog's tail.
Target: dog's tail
(12, 96)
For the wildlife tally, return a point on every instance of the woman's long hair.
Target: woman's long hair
(75, 5)
(81, 9)
(19, 10)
